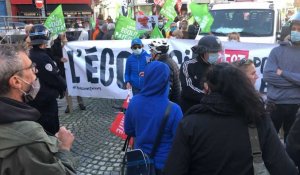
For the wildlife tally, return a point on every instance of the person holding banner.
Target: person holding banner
(234, 36)
(193, 30)
(52, 83)
(146, 111)
(161, 26)
(184, 29)
(56, 49)
(282, 73)
(135, 66)
(192, 71)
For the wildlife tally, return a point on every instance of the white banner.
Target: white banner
(96, 68)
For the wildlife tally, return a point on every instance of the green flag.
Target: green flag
(156, 33)
(92, 22)
(125, 29)
(56, 21)
(202, 16)
(168, 10)
(167, 26)
(130, 13)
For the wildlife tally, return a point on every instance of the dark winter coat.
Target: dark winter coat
(192, 78)
(293, 142)
(213, 139)
(174, 94)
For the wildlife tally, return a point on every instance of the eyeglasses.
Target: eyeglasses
(32, 67)
(136, 47)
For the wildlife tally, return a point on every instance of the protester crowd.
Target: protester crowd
(179, 29)
(215, 122)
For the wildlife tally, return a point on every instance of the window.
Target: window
(247, 22)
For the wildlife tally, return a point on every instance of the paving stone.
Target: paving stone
(98, 150)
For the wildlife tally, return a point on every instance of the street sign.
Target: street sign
(39, 4)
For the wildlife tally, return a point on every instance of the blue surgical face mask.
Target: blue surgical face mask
(295, 36)
(173, 29)
(213, 58)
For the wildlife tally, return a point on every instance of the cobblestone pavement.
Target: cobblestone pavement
(98, 150)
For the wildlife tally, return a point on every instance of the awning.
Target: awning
(70, 7)
(29, 8)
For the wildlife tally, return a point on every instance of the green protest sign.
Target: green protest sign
(156, 33)
(55, 23)
(168, 10)
(202, 16)
(125, 29)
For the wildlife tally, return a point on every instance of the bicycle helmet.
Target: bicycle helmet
(159, 47)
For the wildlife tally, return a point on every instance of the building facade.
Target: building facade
(70, 7)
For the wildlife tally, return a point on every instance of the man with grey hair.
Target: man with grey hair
(25, 148)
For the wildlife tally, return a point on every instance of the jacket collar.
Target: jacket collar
(12, 111)
(215, 103)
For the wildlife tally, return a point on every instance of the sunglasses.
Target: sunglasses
(244, 62)
(136, 47)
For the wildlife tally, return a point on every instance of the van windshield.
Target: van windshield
(247, 22)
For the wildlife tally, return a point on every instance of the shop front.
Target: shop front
(70, 7)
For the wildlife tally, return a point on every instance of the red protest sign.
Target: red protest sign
(235, 55)
(117, 126)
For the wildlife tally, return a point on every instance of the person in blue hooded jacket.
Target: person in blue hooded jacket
(146, 111)
(135, 66)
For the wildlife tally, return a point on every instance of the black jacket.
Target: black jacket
(192, 78)
(57, 53)
(52, 83)
(174, 94)
(293, 142)
(213, 139)
(192, 31)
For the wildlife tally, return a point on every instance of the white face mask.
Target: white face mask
(32, 92)
(160, 24)
(137, 51)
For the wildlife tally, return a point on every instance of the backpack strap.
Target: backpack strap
(160, 131)
(255, 146)
(126, 144)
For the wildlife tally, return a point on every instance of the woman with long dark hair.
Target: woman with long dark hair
(213, 137)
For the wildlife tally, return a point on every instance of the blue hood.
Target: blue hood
(156, 82)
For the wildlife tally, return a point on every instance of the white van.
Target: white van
(256, 22)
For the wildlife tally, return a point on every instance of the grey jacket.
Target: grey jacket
(283, 89)
(25, 148)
